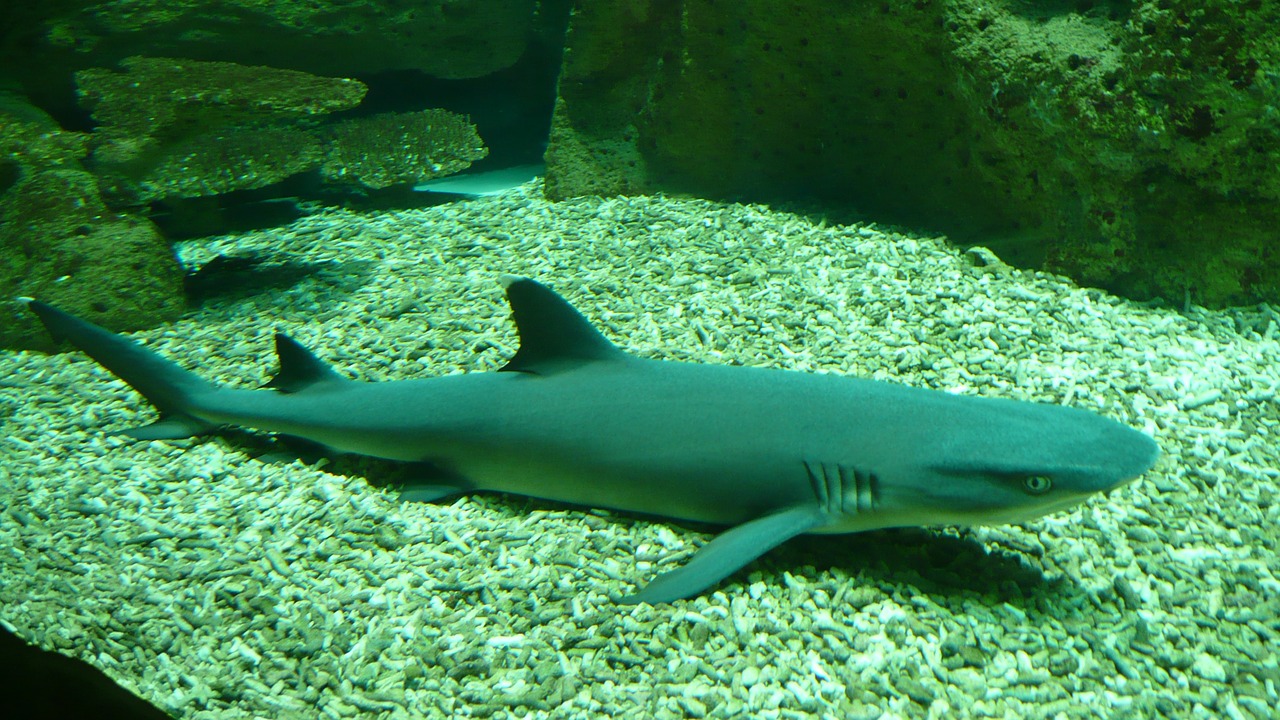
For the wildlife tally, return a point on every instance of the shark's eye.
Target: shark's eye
(1037, 484)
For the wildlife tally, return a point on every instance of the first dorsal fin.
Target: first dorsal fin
(553, 334)
(299, 369)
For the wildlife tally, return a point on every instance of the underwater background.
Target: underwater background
(1063, 202)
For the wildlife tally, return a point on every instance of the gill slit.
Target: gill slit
(831, 481)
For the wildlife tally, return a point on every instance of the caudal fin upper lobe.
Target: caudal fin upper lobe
(163, 383)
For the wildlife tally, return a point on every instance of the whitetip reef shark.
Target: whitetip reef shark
(572, 418)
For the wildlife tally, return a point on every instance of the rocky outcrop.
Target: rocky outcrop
(186, 128)
(60, 243)
(173, 129)
(400, 148)
(1134, 146)
(444, 38)
(194, 99)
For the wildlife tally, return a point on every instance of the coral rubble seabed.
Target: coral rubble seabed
(218, 585)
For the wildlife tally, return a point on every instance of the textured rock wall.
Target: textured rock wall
(59, 241)
(199, 98)
(1134, 146)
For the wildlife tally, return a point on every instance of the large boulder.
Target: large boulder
(172, 129)
(1134, 146)
(60, 243)
(444, 38)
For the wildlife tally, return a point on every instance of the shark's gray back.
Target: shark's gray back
(698, 442)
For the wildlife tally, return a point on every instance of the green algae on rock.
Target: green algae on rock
(60, 242)
(445, 38)
(156, 99)
(397, 148)
(1148, 136)
(213, 163)
(1134, 146)
(186, 128)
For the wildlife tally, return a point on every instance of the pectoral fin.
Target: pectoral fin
(728, 552)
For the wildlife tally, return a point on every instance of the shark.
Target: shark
(483, 184)
(770, 453)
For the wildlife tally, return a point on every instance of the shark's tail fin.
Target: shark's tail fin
(168, 387)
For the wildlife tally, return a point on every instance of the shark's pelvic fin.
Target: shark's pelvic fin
(163, 383)
(729, 552)
(172, 426)
(299, 369)
(553, 334)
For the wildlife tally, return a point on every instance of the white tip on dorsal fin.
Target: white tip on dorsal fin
(553, 335)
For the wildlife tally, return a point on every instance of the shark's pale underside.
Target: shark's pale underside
(771, 453)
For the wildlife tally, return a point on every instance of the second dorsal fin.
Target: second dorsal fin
(299, 369)
(553, 335)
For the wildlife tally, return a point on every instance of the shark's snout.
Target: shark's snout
(1118, 455)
